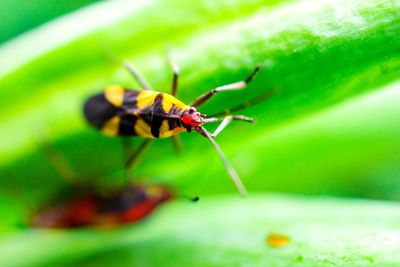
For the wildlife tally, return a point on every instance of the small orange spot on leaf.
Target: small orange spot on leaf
(277, 240)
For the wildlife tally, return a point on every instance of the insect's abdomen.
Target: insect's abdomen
(108, 111)
(124, 112)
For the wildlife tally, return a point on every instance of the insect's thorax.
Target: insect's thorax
(159, 115)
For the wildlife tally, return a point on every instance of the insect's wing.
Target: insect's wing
(98, 110)
(113, 111)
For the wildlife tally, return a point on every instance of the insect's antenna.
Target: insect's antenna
(234, 176)
(244, 105)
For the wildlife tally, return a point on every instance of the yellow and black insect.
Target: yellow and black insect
(150, 114)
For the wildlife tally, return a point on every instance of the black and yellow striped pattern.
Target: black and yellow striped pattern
(120, 111)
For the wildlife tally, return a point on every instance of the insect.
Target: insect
(119, 111)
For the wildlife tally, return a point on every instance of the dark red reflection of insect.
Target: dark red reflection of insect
(130, 205)
(87, 206)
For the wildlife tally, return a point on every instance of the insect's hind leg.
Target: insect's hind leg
(175, 76)
(141, 80)
(226, 121)
(59, 163)
(228, 87)
(133, 158)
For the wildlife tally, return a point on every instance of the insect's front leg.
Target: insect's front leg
(226, 121)
(228, 87)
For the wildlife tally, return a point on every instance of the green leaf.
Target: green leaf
(332, 128)
(226, 231)
(17, 18)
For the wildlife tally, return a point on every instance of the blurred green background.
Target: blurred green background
(331, 130)
(19, 17)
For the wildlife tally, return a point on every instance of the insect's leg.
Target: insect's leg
(232, 173)
(222, 126)
(175, 71)
(245, 105)
(177, 143)
(225, 122)
(135, 155)
(228, 87)
(141, 80)
(126, 145)
(59, 163)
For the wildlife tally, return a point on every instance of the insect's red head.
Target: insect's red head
(192, 118)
